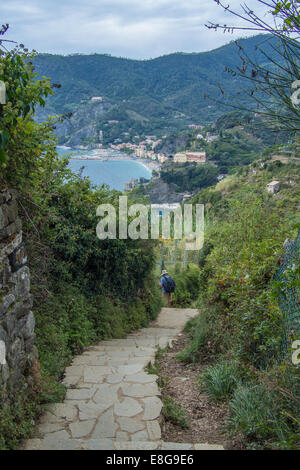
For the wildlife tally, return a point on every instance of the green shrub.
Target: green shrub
(220, 380)
(17, 413)
(199, 332)
(106, 317)
(268, 417)
(187, 286)
(63, 329)
(174, 413)
(253, 412)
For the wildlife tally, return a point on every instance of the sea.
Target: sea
(115, 173)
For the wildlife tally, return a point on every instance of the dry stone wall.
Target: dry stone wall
(17, 350)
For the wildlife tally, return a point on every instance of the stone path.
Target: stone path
(111, 401)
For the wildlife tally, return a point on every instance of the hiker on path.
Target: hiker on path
(167, 285)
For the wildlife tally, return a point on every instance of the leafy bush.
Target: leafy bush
(187, 286)
(189, 176)
(199, 333)
(17, 414)
(239, 272)
(227, 184)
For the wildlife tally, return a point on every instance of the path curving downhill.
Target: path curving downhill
(112, 403)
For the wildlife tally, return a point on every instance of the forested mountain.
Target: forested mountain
(158, 95)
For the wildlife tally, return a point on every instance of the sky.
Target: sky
(137, 29)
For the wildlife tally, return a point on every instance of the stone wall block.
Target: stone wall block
(8, 213)
(20, 309)
(29, 344)
(5, 276)
(3, 335)
(2, 198)
(29, 324)
(4, 373)
(8, 247)
(11, 211)
(21, 282)
(11, 229)
(9, 324)
(16, 318)
(3, 218)
(6, 303)
(15, 354)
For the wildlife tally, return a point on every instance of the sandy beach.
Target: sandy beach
(111, 155)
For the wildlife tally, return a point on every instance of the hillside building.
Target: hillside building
(162, 158)
(273, 187)
(140, 152)
(195, 126)
(189, 156)
(180, 158)
(197, 157)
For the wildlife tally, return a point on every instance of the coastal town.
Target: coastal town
(143, 151)
(146, 149)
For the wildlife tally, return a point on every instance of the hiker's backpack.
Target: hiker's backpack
(169, 285)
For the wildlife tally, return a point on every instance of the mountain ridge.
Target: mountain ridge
(168, 91)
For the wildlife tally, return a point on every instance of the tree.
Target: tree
(273, 88)
(23, 91)
(285, 14)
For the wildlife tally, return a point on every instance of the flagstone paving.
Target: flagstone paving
(112, 403)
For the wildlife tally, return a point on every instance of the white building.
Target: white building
(140, 152)
(273, 187)
(180, 158)
(162, 158)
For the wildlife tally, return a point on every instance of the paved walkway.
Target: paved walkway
(111, 401)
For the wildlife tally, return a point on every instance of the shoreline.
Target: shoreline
(148, 164)
(110, 155)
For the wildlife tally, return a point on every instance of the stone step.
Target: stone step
(113, 444)
(155, 332)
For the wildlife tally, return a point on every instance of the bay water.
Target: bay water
(115, 173)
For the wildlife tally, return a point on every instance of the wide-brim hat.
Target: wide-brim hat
(164, 272)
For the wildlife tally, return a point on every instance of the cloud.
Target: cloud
(131, 28)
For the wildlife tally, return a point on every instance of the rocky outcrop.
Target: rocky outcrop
(17, 350)
(82, 127)
(174, 143)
